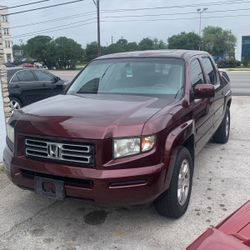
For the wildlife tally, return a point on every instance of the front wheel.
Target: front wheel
(15, 104)
(174, 202)
(222, 133)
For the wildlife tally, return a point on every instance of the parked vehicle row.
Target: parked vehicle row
(126, 132)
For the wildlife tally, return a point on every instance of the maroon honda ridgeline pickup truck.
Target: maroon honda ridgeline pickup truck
(126, 132)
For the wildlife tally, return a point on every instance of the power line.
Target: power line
(179, 6)
(38, 32)
(57, 27)
(25, 4)
(124, 10)
(61, 27)
(172, 19)
(124, 16)
(44, 7)
(55, 19)
(122, 21)
(174, 14)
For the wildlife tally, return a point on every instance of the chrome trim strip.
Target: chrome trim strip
(59, 151)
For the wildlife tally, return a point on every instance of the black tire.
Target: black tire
(17, 102)
(168, 204)
(223, 132)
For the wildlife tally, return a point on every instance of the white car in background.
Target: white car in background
(40, 66)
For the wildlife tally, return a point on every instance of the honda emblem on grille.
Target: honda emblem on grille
(54, 150)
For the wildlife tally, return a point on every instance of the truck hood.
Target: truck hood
(90, 116)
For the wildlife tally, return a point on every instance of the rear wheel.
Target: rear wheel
(174, 202)
(222, 133)
(15, 104)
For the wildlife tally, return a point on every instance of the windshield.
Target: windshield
(143, 76)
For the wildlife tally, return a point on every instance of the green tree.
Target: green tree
(16, 47)
(219, 42)
(67, 52)
(133, 46)
(184, 41)
(246, 62)
(159, 44)
(119, 46)
(114, 48)
(91, 51)
(123, 42)
(51, 56)
(36, 47)
(146, 44)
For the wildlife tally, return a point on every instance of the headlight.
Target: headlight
(132, 146)
(125, 147)
(10, 133)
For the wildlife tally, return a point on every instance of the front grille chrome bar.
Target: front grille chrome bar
(68, 152)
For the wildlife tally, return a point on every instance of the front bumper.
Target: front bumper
(111, 187)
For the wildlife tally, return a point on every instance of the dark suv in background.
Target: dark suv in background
(30, 85)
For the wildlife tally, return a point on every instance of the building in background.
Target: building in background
(245, 51)
(5, 37)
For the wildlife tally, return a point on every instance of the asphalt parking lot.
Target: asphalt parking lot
(221, 184)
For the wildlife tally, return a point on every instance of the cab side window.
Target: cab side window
(42, 76)
(196, 73)
(25, 76)
(209, 70)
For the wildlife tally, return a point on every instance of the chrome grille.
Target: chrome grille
(69, 152)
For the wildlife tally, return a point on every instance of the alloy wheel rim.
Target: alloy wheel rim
(183, 182)
(14, 105)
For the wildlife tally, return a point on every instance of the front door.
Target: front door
(212, 77)
(202, 108)
(51, 84)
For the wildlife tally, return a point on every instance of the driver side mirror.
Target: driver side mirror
(202, 91)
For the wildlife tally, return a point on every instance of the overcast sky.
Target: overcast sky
(119, 24)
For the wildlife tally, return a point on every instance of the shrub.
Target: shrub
(246, 62)
(231, 63)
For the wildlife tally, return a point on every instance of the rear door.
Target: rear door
(25, 83)
(212, 77)
(202, 109)
(52, 85)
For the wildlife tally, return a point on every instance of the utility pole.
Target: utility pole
(97, 4)
(200, 11)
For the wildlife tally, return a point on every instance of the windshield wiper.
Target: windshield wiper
(105, 72)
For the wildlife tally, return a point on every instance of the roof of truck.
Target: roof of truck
(175, 53)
